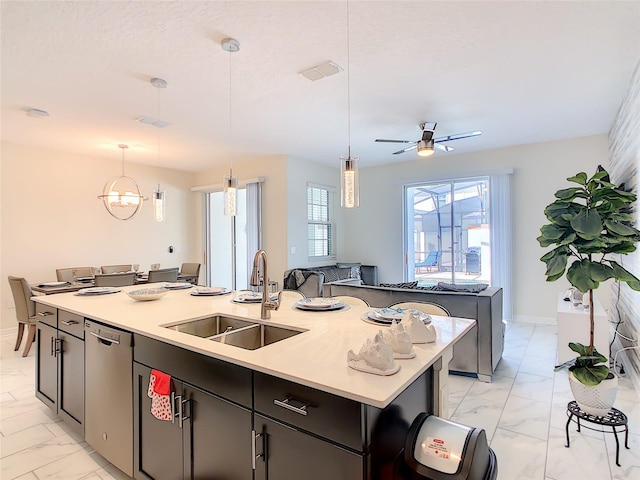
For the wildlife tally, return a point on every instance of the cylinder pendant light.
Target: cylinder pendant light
(159, 202)
(349, 182)
(230, 45)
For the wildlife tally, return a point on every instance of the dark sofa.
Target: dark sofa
(480, 350)
(311, 281)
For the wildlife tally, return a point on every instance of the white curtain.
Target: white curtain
(501, 258)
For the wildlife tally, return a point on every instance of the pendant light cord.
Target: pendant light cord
(348, 88)
(230, 122)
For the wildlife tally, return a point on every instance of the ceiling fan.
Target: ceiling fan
(427, 144)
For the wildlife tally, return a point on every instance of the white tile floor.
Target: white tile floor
(522, 412)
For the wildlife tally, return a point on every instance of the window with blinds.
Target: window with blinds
(320, 224)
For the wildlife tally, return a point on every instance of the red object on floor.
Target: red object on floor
(162, 385)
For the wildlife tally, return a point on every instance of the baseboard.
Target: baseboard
(534, 319)
(630, 372)
(13, 331)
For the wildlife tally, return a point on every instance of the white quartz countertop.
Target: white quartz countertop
(316, 358)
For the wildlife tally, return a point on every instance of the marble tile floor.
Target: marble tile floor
(522, 412)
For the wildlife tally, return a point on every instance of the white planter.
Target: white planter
(596, 400)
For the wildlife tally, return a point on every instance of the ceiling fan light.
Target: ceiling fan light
(426, 149)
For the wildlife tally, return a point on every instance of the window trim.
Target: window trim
(331, 223)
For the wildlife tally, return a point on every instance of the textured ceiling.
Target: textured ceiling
(522, 72)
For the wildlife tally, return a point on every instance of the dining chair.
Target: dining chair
(349, 300)
(25, 311)
(66, 274)
(116, 268)
(115, 279)
(163, 275)
(424, 307)
(190, 272)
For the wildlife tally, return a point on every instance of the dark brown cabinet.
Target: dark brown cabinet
(60, 364)
(285, 452)
(209, 437)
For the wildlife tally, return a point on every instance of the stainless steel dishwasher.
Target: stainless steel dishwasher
(109, 393)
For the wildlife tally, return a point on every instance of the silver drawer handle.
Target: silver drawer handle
(69, 323)
(100, 337)
(45, 314)
(285, 404)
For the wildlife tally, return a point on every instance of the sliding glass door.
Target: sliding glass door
(448, 237)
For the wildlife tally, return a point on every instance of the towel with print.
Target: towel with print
(160, 394)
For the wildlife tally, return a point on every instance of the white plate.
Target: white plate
(253, 297)
(390, 313)
(53, 284)
(209, 291)
(146, 294)
(177, 285)
(319, 303)
(98, 291)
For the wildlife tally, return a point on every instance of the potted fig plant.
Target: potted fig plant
(590, 223)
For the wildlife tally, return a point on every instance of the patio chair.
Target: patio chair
(432, 260)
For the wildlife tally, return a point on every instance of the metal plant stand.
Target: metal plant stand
(615, 418)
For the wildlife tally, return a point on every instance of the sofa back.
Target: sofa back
(459, 304)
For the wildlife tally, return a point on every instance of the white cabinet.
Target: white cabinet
(573, 326)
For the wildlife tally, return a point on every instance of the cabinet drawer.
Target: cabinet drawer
(71, 323)
(324, 414)
(210, 374)
(47, 314)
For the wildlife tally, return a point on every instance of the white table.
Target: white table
(573, 326)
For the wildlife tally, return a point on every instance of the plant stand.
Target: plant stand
(615, 418)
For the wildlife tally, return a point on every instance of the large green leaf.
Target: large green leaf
(578, 275)
(623, 275)
(556, 264)
(580, 178)
(620, 228)
(558, 211)
(552, 232)
(571, 193)
(591, 376)
(600, 272)
(587, 224)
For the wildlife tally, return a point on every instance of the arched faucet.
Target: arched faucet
(256, 279)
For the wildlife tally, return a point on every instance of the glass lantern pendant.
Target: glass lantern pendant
(121, 195)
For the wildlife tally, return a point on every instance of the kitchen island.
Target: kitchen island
(324, 410)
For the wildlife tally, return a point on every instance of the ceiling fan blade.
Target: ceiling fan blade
(406, 149)
(458, 136)
(394, 141)
(444, 148)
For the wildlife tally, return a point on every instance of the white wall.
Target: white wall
(299, 174)
(52, 218)
(374, 230)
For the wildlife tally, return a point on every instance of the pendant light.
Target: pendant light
(349, 181)
(121, 195)
(159, 196)
(230, 45)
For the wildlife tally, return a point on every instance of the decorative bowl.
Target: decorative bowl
(145, 294)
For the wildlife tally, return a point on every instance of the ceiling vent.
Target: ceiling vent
(320, 71)
(153, 121)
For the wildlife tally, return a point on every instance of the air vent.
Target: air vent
(320, 71)
(153, 121)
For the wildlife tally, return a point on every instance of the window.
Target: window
(320, 224)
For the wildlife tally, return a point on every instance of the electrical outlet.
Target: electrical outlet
(12, 304)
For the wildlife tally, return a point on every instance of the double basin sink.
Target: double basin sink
(243, 333)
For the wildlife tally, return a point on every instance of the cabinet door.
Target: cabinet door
(157, 447)
(289, 453)
(217, 437)
(71, 380)
(47, 366)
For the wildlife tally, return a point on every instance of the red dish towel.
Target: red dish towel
(160, 394)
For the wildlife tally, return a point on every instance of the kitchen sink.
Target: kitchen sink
(255, 336)
(243, 333)
(210, 326)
